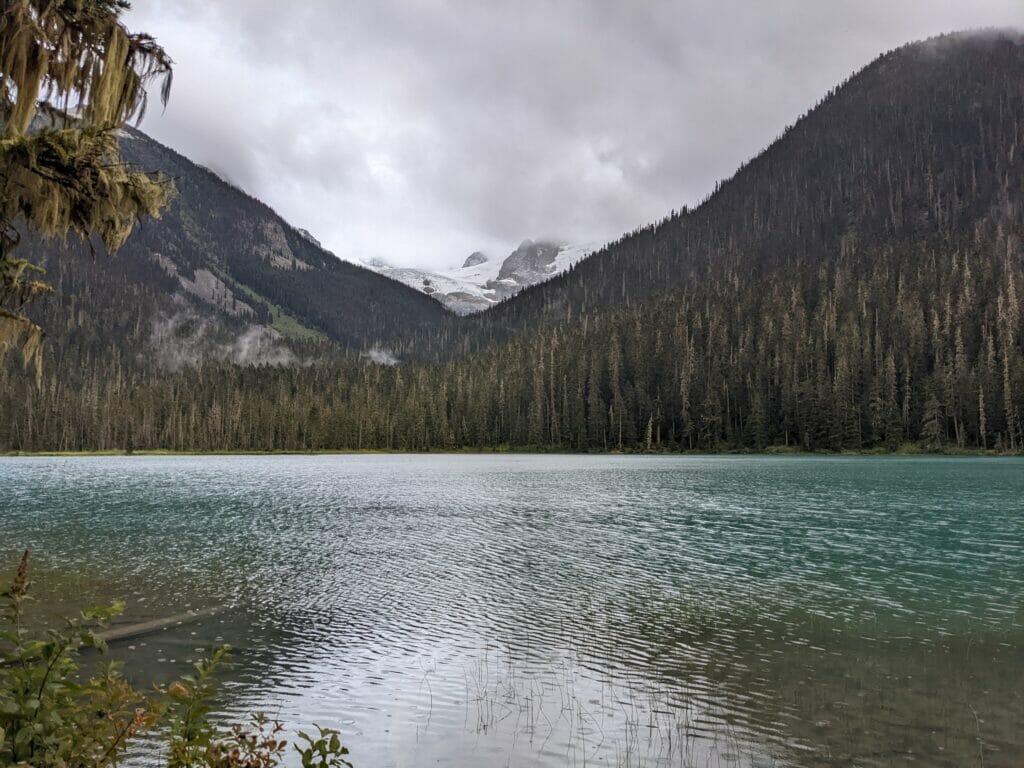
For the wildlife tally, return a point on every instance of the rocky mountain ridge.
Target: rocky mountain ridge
(219, 277)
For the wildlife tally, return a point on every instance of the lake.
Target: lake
(536, 610)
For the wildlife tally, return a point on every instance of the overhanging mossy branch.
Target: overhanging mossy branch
(76, 61)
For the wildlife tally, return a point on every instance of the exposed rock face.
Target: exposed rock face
(530, 263)
(275, 249)
(181, 337)
(208, 287)
(474, 259)
(309, 236)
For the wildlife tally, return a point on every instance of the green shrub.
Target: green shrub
(52, 715)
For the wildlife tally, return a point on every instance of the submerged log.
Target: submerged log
(130, 631)
(142, 628)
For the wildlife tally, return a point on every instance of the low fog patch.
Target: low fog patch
(186, 338)
(380, 356)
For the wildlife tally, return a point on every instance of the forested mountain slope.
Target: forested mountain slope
(918, 147)
(858, 285)
(219, 276)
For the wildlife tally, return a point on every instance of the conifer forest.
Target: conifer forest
(856, 286)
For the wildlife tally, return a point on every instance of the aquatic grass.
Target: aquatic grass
(825, 689)
(623, 720)
(790, 686)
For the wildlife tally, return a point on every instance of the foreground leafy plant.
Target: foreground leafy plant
(50, 718)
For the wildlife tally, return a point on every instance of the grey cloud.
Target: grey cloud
(421, 130)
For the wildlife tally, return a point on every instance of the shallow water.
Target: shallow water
(559, 610)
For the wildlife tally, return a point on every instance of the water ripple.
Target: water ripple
(549, 611)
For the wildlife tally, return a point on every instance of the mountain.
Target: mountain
(480, 282)
(856, 286)
(917, 149)
(219, 276)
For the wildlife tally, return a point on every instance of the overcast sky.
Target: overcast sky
(418, 131)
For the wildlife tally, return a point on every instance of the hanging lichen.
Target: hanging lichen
(70, 76)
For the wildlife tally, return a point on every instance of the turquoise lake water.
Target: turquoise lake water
(562, 610)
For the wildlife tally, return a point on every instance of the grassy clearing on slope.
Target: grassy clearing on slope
(288, 326)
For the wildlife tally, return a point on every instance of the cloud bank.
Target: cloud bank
(418, 131)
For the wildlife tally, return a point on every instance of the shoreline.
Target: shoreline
(775, 451)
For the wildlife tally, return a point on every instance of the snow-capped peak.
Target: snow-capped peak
(481, 282)
(474, 259)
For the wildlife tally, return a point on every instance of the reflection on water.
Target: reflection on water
(549, 611)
